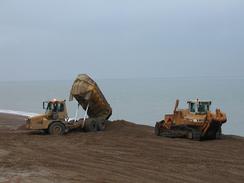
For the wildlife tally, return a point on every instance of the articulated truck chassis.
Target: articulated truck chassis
(56, 121)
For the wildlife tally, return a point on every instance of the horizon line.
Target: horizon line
(126, 78)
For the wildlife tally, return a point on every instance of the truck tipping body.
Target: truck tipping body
(88, 94)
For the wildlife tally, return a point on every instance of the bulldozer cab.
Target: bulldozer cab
(55, 109)
(199, 107)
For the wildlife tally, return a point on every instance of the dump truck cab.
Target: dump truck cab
(52, 120)
(55, 109)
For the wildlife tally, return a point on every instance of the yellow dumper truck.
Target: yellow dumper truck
(56, 121)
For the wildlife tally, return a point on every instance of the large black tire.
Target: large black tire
(56, 128)
(90, 126)
(101, 125)
(157, 129)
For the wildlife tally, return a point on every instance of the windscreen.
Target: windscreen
(55, 107)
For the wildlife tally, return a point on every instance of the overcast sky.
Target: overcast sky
(57, 39)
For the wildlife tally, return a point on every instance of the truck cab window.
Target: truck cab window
(60, 107)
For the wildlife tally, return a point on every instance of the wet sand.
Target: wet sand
(125, 152)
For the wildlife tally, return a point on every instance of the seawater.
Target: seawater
(143, 101)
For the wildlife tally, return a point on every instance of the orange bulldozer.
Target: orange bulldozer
(196, 122)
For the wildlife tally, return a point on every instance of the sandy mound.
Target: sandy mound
(125, 152)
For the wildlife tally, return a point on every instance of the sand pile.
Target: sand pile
(125, 152)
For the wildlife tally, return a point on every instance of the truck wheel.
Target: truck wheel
(157, 129)
(90, 126)
(56, 128)
(101, 125)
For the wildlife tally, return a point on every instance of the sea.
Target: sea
(142, 101)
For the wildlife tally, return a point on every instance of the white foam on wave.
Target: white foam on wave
(19, 113)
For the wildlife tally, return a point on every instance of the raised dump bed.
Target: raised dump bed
(90, 97)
